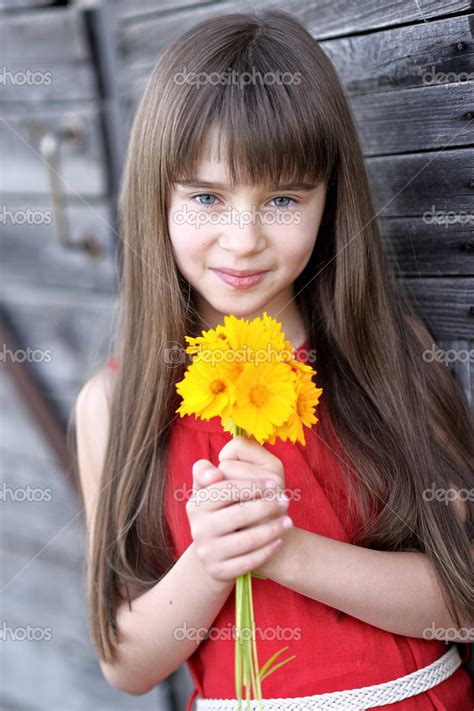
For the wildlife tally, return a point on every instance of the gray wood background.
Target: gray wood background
(408, 70)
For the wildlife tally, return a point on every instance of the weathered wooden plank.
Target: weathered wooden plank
(82, 165)
(68, 331)
(446, 305)
(410, 185)
(129, 9)
(434, 53)
(63, 82)
(32, 253)
(413, 119)
(327, 18)
(63, 671)
(53, 35)
(458, 356)
(23, 4)
(142, 41)
(55, 38)
(433, 244)
(34, 488)
(427, 54)
(13, 438)
(16, 433)
(43, 540)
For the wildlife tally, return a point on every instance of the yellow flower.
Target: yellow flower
(265, 397)
(209, 340)
(246, 373)
(307, 397)
(206, 391)
(273, 327)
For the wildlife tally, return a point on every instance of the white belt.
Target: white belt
(366, 697)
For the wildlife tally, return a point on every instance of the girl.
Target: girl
(372, 584)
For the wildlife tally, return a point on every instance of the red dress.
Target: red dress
(331, 654)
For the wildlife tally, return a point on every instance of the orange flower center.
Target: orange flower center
(258, 395)
(217, 386)
(299, 406)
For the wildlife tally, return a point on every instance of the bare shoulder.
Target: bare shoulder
(97, 391)
(93, 403)
(92, 416)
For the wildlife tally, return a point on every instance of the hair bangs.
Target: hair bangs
(267, 134)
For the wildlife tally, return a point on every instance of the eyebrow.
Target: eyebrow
(196, 182)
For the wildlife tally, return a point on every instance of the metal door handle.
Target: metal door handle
(49, 147)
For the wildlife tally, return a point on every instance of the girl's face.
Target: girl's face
(260, 228)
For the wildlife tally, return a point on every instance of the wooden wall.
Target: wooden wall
(406, 65)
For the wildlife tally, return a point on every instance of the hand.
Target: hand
(220, 508)
(244, 458)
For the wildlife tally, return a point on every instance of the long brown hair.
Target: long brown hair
(401, 421)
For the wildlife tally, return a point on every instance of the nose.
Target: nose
(244, 235)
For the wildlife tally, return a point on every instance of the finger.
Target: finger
(235, 469)
(225, 493)
(209, 476)
(250, 539)
(247, 513)
(247, 450)
(201, 478)
(233, 567)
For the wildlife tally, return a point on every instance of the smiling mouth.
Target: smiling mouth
(241, 273)
(240, 282)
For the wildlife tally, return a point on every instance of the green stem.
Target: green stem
(246, 657)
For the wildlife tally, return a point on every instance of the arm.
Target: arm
(165, 625)
(394, 590)
(150, 647)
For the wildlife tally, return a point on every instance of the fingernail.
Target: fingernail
(270, 484)
(208, 474)
(287, 522)
(283, 499)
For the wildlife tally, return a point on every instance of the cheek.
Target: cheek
(296, 247)
(189, 245)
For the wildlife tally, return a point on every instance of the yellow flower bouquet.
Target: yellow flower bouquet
(246, 374)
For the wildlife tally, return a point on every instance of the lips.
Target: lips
(242, 273)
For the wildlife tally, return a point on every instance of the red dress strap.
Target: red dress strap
(189, 705)
(112, 363)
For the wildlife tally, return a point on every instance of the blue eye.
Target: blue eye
(206, 195)
(213, 200)
(284, 197)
